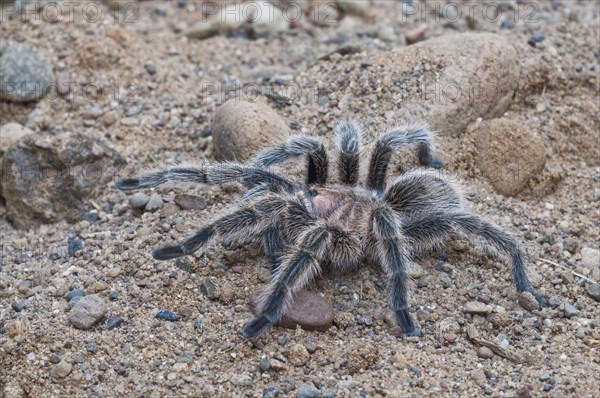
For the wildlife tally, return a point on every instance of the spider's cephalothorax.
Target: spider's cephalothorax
(303, 226)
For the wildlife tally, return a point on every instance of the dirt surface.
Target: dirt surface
(137, 57)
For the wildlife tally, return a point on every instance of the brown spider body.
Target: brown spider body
(304, 226)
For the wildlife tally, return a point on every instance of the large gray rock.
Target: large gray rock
(50, 178)
(241, 128)
(450, 81)
(25, 74)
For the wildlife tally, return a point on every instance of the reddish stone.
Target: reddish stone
(308, 310)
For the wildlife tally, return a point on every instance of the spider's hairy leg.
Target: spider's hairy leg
(348, 137)
(432, 228)
(398, 138)
(217, 174)
(297, 269)
(251, 220)
(423, 190)
(391, 248)
(315, 152)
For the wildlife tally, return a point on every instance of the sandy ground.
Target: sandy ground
(551, 352)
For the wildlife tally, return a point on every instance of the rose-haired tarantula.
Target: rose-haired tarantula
(303, 226)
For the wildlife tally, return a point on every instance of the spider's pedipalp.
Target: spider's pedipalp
(218, 174)
(391, 250)
(251, 220)
(185, 174)
(348, 139)
(314, 150)
(395, 139)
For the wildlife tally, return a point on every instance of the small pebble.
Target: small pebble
(264, 364)
(167, 315)
(87, 312)
(113, 322)
(307, 390)
(151, 69)
(528, 302)
(16, 306)
(593, 290)
(134, 110)
(207, 287)
(74, 245)
(154, 203)
(270, 392)
(91, 347)
(485, 353)
(61, 370)
(75, 293)
(298, 355)
(570, 310)
(138, 200)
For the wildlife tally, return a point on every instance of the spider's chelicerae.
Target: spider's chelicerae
(305, 226)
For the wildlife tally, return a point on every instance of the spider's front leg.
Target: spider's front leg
(392, 254)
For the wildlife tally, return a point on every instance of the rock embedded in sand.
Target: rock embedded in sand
(590, 257)
(508, 154)
(528, 301)
(49, 178)
(87, 312)
(477, 308)
(485, 353)
(190, 202)
(26, 73)
(298, 355)
(241, 128)
(61, 370)
(308, 310)
(138, 200)
(12, 133)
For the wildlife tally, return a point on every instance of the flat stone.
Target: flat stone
(26, 73)
(61, 370)
(190, 202)
(308, 310)
(571, 310)
(208, 289)
(478, 308)
(87, 312)
(593, 290)
(590, 257)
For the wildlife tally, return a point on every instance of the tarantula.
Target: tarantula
(304, 226)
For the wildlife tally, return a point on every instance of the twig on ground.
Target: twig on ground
(566, 268)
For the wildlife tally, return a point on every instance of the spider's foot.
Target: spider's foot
(406, 324)
(436, 163)
(415, 332)
(256, 327)
(168, 252)
(127, 184)
(542, 300)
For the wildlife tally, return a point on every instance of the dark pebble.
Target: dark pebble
(180, 3)
(16, 306)
(198, 324)
(54, 358)
(73, 302)
(90, 216)
(207, 132)
(75, 293)
(443, 257)
(416, 371)
(167, 315)
(270, 392)
(208, 289)
(113, 322)
(365, 320)
(184, 264)
(113, 295)
(506, 24)
(74, 245)
(91, 347)
(151, 69)
(264, 364)
(282, 340)
(120, 370)
(548, 387)
(422, 283)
